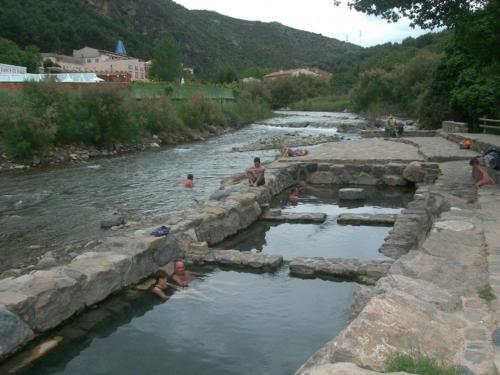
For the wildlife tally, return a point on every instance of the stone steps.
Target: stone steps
(366, 271)
(384, 220)
(294, 217)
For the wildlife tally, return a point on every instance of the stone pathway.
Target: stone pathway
(362, 151)
(385, 220)
(438, 149)
(492, 140)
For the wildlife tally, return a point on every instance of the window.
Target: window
(130, 67)
(136, 75)
(142, 69)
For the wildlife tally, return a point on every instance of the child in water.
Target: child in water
(479, 171)
(161, 284)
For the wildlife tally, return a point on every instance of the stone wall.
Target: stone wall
(455, 127)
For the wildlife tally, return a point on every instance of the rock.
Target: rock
(361, 294)
(14, 332)
(154, 145)
(321, 178)
(414, 172)
(47, 261)
(391, 180)
(294, 217)
(239, 259)
(113, 221)
(352, 194)
(367, 271)
(393, 324)
(343, 369)
(367, 219)
(37, 352)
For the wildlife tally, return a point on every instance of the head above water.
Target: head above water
(190, 177)
(161, 275)
(256, 161)
(179, 267)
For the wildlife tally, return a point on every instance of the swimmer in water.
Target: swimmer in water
(188, 182)
(181, 276)
(161, 284)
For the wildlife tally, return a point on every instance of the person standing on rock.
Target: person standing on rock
(255, 173)
(188, 182)
(181, 276)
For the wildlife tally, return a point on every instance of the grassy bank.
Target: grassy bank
(42, 117)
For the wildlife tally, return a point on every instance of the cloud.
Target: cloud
(318, 16)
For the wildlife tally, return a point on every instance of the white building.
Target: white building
(12, 69)
(99, 61)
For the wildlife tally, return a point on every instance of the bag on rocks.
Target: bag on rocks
(161, 231)
(491, 158)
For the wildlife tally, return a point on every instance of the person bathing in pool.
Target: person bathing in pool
(161, 284)
(181, 276)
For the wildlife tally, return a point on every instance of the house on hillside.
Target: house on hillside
(311, 72)
(103, 63)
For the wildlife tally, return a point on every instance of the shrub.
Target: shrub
(155, 116)
(199, 110)
(24, 133)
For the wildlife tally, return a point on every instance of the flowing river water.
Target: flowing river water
(42, 210)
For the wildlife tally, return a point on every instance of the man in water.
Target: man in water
(255, 173)
(188, 182)
(181, 276)
(294, 196)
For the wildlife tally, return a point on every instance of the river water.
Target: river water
(42, 210)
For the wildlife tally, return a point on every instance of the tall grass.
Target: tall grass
(419, 365)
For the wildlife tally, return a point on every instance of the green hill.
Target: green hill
(207, 39)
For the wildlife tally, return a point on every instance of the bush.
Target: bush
(251, 109)
(24, 133)
(155, 116)
(199, 110)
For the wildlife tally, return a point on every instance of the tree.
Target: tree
(11, 53)
(427, 14)
(224, 74)
(167, 63)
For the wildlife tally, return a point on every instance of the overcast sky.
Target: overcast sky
(319, 16)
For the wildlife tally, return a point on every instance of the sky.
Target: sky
(318, 16)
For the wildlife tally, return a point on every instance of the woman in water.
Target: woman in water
(161, 284)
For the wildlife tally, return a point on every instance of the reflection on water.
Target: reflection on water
(328, 239)
(45, 209)
(244, 324)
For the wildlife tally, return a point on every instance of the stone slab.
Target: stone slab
(294, 217)
(367, 271)
(241, 259)
(385, 220)
(352, 194)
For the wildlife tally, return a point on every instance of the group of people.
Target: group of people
(181, 277)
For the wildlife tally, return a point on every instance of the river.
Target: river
(49, 209)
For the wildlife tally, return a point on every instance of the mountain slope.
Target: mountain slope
(207, 39)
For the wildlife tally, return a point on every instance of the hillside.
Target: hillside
(207, 39)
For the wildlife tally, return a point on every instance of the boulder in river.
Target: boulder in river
(113, 220)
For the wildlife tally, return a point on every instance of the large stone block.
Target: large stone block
(352, 194)
(14, 332)
(455, 127)
(393, 180)
(343, 369)
(414, 172)
(321, 178)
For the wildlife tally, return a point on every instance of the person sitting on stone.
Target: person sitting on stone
(255, 173)
(293, 152)
(181, 276)
(161, 284)
(294, 196)
(188, 182)
(480, 173)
